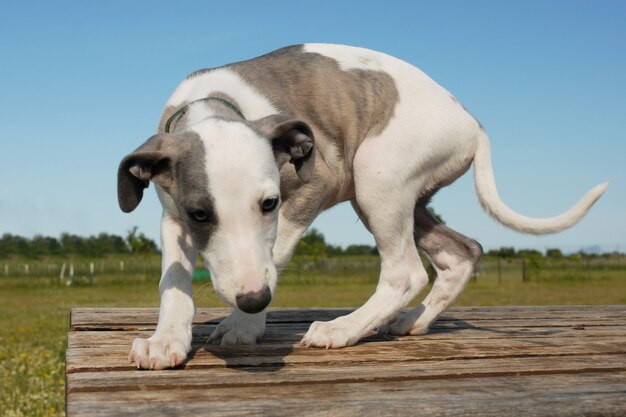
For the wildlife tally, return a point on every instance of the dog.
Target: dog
(248, 154)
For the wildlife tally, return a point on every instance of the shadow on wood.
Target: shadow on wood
(270, 355)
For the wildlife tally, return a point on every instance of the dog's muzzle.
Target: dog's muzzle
(254, 302)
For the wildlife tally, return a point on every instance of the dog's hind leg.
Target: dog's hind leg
(386, 203)
(453, 256)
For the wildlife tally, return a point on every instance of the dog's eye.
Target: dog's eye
(269, 204)
(199, 215)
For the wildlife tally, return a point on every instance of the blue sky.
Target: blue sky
(83, 83)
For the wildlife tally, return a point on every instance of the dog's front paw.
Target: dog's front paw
(239, 329)
(160, 351)
(333, 334)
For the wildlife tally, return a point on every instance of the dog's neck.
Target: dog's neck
(216, 105)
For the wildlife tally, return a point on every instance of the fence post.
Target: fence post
(6, 270)
(499, 271)
(523, 270)
(62, 273)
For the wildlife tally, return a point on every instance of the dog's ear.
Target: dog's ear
(152, 161)
(292, 141)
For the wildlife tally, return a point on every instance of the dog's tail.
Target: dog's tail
(491, 202)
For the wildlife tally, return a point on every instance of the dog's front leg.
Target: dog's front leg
(171, 341)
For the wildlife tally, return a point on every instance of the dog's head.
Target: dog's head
(220, 179)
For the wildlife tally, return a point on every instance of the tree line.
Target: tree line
(134, 242)
(509, 252)
(312, 244)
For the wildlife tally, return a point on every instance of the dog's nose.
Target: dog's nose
(254, 301)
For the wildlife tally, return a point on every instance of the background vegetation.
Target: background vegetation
(37, 292)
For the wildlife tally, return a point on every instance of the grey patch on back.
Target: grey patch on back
(344, 107)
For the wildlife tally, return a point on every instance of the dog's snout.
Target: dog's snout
(254, 301)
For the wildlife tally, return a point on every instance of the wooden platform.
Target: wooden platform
(502, 361)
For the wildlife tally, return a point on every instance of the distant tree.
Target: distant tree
(91, 246)
(14, 245)
(112, 243)
(44, 245)
(22, 246)
(503, 252)
(4, 245)
(72, 244)
(554, 254)
(529, 253)
(139, 243)
(334, 250)
(575, 257)
(312, 243)
(357, 250)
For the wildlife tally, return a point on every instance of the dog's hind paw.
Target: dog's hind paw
(409, 323)
(239, 329)
(158, 352)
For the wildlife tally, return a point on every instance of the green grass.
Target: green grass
(34, 311)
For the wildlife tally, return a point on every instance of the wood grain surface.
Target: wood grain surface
(487, 361)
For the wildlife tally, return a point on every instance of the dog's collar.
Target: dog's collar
(183, 109)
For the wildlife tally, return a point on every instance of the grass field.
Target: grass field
(34, 309)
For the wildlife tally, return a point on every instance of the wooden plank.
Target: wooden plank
(293, 332)
(448, 322)
(135, 316)
(545, 361)
(145, 319)
(265, 377)
(114, 357)
(544, 395)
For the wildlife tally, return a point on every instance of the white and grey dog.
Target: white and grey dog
(248, 154)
